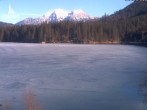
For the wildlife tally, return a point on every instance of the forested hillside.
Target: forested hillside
(125, 26)
(73, 32)
(132, 22)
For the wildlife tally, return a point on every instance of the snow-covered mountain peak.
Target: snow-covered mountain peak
(79, 11)
(58, 15)
(79, 15)
(26, 21)
(59, 11)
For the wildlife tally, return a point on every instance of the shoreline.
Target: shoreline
(94, 43)
(135, 43)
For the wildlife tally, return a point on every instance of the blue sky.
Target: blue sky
(15, 10)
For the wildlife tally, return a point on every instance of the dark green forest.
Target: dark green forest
(128, 25)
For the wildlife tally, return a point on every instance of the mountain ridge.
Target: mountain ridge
(57, 15)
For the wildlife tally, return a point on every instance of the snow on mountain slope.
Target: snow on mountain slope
(78, 15)
(58, 15)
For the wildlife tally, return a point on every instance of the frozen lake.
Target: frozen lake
(73, 77)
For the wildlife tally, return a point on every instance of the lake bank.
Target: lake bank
(90, 43)
(135, 43)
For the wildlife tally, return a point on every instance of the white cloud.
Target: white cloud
(13, 17)
(11, 14)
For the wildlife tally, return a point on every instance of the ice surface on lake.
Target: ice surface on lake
(73, 77)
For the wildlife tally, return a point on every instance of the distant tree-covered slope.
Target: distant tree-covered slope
(135, 9)
(5, 24)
